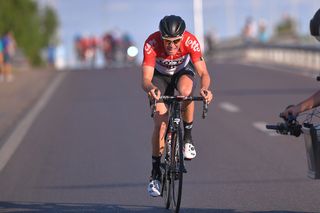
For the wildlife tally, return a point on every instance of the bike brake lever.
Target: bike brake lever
(205, 109)
(153, 111)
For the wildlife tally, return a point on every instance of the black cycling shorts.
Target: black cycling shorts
(168, 83)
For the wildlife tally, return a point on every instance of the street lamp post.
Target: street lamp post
(198, 21)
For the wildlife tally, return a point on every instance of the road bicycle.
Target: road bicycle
(172, 164)
(307, 124)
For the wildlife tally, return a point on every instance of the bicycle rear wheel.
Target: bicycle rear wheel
(177, 168)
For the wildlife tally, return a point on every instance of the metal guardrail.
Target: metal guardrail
(302, 56)
(292, 55)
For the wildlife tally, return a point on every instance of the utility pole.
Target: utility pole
(198, 21)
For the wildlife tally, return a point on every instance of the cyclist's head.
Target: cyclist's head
(315, 25)
(172, 26)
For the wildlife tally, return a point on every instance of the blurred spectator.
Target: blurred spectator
(93, 47)
(114, 48)
(108, 48)
(86, 49)
(51, 55)
(1, 61)
(126, 43)
(9, 47)
(77, 47)
(262, 32)
(249, 31)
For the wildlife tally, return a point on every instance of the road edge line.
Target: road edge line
(14, 140)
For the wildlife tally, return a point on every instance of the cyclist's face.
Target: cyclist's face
(172, 45)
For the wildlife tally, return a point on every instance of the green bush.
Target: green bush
(33, 29)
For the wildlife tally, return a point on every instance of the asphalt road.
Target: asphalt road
(89, 149)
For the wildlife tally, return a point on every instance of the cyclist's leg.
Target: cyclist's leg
(185, 86)
(160, 124)
(162, 82)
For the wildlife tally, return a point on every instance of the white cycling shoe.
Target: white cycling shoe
(154, 188)
(189, 151)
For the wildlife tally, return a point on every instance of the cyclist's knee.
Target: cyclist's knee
(185, 85)
(185, 90)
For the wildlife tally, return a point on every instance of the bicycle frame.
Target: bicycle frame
(173, 165)
(173, 160)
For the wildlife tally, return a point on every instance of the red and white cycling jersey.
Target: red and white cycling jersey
(155, 55)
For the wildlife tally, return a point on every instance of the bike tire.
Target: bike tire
(166, 187)
(166, 184)
(177, 167)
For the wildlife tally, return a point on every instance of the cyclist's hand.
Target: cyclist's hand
(154, 94)
(291, 110)
(207, 94)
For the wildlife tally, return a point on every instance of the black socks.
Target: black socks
(156, 172)
(187, 130)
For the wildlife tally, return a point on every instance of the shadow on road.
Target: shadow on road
(18, 207)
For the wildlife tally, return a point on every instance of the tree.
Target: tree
(287, 27)
(32, 28)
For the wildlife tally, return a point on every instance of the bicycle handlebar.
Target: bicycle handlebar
(181, 99)
(290, 126)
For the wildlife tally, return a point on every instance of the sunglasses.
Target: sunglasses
(169, 41)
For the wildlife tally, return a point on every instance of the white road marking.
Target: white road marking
(16, 137)
(229, 107)
(262, 127)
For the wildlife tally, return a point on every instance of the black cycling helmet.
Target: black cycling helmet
(315, 24)
(172, 26)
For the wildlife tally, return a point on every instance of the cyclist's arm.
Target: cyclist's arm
(202, 71)
(147, 75)
(311, 102)
(147, 85)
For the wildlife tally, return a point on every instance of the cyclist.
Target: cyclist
(314, 100)
(171, 57)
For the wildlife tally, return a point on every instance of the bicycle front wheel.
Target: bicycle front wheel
(166, 185)
(177, 168)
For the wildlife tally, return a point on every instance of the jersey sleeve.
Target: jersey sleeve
(149, 54)
(194, 49)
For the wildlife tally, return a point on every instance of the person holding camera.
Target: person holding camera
(314, 100)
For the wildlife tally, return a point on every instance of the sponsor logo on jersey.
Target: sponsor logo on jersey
(149, 45)
(171, 64)
(193, 44)
(147, 48)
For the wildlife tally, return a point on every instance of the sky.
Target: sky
(140, 18)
